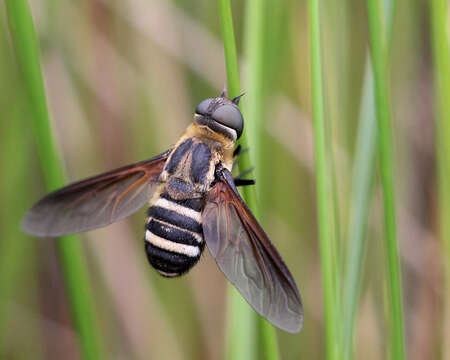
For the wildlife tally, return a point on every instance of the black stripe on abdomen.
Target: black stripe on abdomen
(174, 236)
(173, 217)
(173, 233)
(167, 263)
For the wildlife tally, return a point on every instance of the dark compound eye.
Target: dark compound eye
(230, 115)
(202, 108)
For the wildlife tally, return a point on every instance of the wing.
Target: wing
(95, 202)
(248, 259)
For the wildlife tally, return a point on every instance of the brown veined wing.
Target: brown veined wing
(248, 259)
(95, 202)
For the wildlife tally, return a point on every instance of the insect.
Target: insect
(193, 200)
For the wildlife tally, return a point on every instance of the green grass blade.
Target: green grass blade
(241, 331)
(254, 82)
(229, 45)
(17, 253)
(441, 58)
(253, 104)
(241, 328)
(234, 89)
(69, 248)
(253, 121)
(324, 197)
(380, 68)
(267, 340)
(362, 180)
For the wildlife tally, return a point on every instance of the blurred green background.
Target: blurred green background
(122, 79)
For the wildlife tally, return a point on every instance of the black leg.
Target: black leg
(243, 182)
(238, 181)
(237, 151)
(244, 173)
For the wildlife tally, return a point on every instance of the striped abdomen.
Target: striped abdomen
(174, 235)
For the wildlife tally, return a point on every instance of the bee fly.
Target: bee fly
(193, 201)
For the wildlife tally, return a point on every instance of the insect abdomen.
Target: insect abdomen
(174, 235)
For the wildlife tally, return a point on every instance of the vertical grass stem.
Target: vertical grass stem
(362, 180)
(324, 197)
(241, 330)
(380, 69)
(69, 248)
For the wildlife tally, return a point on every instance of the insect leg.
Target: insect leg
(243, 182)
(239, 181)
(244, 173)
(238, 151)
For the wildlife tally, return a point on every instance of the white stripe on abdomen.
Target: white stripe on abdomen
(188, 250)
(169, 205)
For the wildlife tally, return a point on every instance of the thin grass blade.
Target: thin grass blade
(253, 104)
(380, 68)
(362, 181)
(324, 193)
(241, 330)
(69, 248)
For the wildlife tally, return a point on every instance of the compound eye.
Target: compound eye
(202, 108)
(230, 116)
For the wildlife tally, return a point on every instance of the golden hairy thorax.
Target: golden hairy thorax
(178, 176)
(222, 145)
